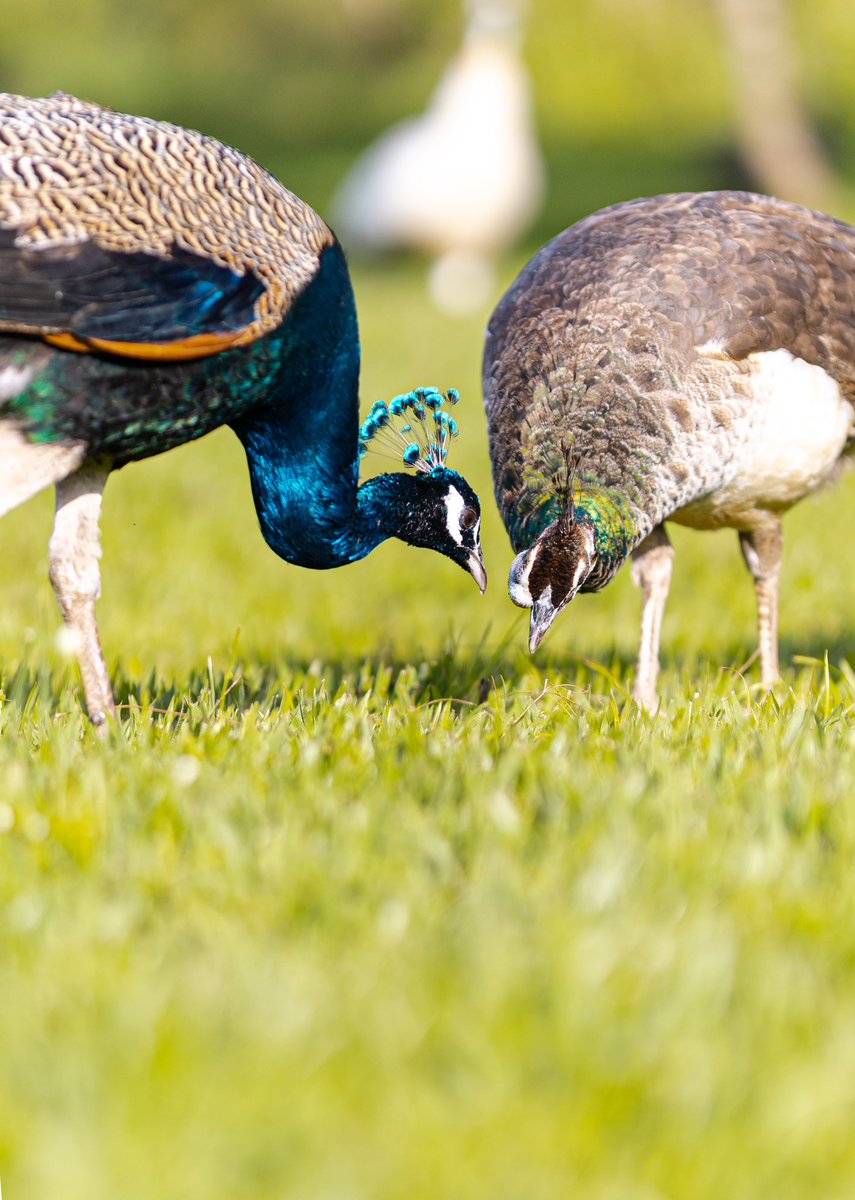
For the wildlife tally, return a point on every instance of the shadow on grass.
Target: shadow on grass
(838, 649)
(467, 676)
(461, 675)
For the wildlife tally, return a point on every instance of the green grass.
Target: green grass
(361, 903)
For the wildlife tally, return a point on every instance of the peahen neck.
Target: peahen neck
(614, 520)
(302, 443)
(617, 523)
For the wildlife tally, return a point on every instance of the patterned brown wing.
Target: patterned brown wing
(133, 304)
(73, 174)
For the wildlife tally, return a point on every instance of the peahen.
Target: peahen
(155, 284)
(687, 358)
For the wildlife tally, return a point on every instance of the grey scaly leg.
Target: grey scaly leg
(652, 563)
(762, 549)
(75, 551)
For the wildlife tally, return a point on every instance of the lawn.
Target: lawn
(362, 903)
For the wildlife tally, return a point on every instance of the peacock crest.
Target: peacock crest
(414, 427)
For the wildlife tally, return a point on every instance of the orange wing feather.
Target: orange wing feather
(202, 345)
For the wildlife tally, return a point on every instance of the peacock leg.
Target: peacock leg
(762, 549)
(652, 563)
(75, 551)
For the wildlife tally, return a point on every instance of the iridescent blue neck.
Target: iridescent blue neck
(312, 515)
(302, 443)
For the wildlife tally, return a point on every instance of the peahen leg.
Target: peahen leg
(762, 549)
(75, 551)
(652, 562)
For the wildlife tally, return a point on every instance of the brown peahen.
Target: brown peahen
(685, 358)
(155, 284)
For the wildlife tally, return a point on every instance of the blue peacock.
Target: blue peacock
(156, 284)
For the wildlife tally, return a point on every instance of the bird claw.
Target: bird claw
(646, 700)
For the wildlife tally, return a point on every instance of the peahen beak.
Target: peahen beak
(475, 567)
(543, 613)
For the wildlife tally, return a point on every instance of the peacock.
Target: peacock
(685, 358)
(156, 284)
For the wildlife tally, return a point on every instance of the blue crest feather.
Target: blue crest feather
(414, 426)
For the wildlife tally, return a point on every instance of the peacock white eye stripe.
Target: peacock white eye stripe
(454, 506)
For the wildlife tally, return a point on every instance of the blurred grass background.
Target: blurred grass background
(631, 98)
(331, 936)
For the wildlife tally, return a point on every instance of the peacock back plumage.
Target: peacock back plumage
(154, 285)
(191, 237)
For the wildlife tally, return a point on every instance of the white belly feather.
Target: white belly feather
(797, 426)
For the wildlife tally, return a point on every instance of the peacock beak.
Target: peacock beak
(475, 567)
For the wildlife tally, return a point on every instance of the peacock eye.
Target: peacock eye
(468, 518)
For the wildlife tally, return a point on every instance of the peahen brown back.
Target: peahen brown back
(617, 334)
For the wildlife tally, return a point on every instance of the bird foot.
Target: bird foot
(646, 699)
(102, 721)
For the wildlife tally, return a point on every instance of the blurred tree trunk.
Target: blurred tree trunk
(780, 147)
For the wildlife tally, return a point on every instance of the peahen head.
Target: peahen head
(434, 507)
(580, 551)
(547, 576)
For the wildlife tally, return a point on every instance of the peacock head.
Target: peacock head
(435, 507)
(547, 576)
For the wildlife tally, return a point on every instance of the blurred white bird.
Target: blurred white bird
(462, 181)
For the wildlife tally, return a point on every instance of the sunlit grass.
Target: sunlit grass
(360, 902)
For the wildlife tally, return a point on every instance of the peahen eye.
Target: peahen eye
(468, 518)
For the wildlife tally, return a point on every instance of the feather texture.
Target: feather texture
(154, 285)
(649, 338)
(73, 173)
(630, 334)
